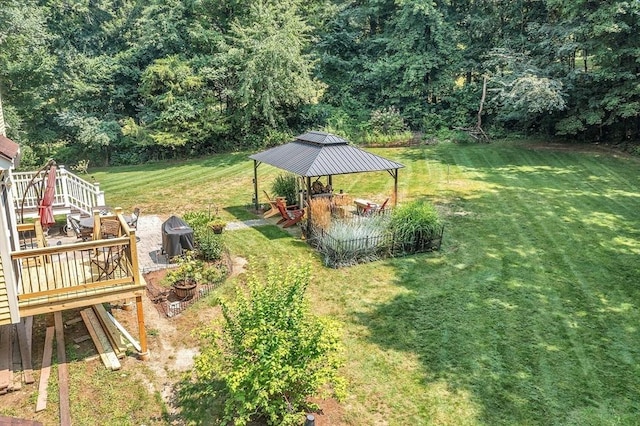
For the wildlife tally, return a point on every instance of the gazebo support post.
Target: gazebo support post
(308, 206)
(256, 163)
(394, 173)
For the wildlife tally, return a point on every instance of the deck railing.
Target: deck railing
(81, 272)
(71, 192)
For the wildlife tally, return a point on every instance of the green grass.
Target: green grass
(528, 315)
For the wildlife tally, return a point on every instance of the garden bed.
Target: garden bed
(339, 251)
(170, 301)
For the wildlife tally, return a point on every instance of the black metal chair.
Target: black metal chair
(133, 223)
(81, 232)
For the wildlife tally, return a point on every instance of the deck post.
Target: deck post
(96, 225)
(142, 333)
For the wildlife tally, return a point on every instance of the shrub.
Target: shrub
(210, 245)
(400, 138)
(387, 121)
(286, 185)
(271, 353)
(198, 219)
(189, 269)
(415, 222)
(214, 273)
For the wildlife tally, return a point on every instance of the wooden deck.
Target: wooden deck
(51, 279)
(75, 275)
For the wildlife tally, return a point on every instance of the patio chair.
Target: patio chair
(374, 208)
(110, 228)
(289, 216)
(272, 203)
(107, 261)
(273, 211)
(133, 223)
(81, 232)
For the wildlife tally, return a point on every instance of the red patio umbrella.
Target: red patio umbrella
(46, 204)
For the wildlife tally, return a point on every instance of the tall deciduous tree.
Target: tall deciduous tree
(27, 71)
(605, 97)
(274, 74)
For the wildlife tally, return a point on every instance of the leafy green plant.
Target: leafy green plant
(387, 121)
(197, 219)
(82, 166)
(214, 273)
(217, 224)
(189, 269)
(271, 353)
(210, 245)
(286, 185)
(400, 138)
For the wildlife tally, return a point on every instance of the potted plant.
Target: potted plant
(217, 225)
(184, 278)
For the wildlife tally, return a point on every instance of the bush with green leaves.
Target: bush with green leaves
(414, 223)
(212, 274)
(270, 353)
(210, 245)
(198, 218)
(189, 269)
(286, 185)
(387, 121)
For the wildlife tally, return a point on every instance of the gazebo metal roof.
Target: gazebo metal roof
(323, 154)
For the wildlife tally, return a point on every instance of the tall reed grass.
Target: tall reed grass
(355, 240)
(320, 213)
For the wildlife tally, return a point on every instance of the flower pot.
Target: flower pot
(184, 288)
(217, 229)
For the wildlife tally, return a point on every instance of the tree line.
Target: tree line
(129, 81)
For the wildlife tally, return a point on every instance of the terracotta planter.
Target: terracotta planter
(217, 229)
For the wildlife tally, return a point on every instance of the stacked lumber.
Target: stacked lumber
(108, 336)
(100, 340)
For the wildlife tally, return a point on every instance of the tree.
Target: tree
(274, 74)
(27, 72)
(271, 353)
(177, 109)
(605, 99)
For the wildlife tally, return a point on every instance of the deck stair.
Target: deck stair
(73, 194)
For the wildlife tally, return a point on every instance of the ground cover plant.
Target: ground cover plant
(527, 315)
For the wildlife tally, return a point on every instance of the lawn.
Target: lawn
(528, 315)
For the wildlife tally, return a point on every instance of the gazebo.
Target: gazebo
(315, 154)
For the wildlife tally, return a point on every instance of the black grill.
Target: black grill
(177, 237)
